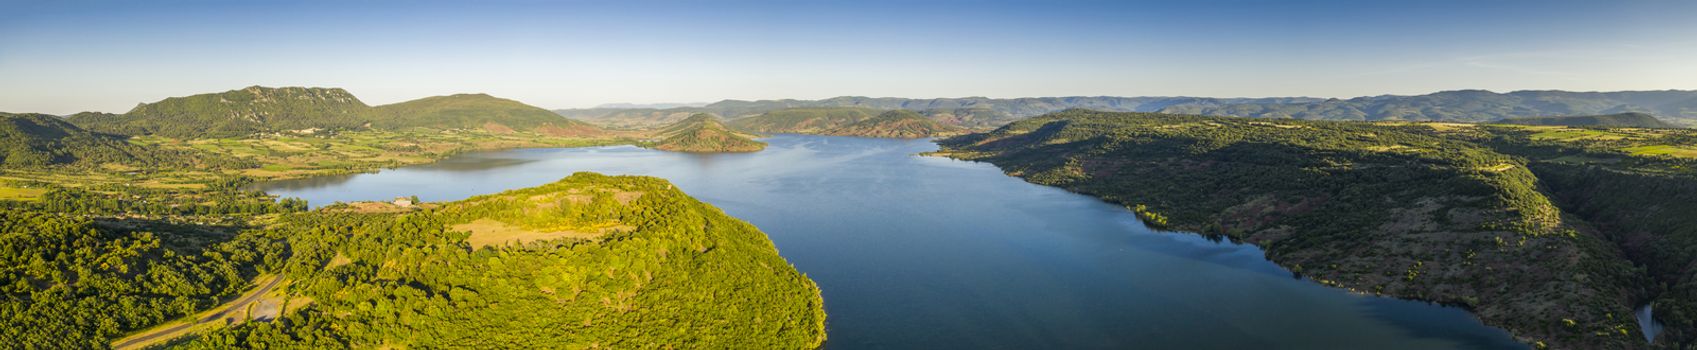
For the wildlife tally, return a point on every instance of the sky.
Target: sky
(62, 57)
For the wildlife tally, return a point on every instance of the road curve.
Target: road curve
(239, 304)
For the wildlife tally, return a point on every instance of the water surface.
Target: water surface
(925, 252)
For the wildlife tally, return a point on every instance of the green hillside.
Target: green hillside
(37, 140)
(804, 120)
(236, 113)
(896, 124)
(703, 133)
(1629, 120)
(590, 261)
(306, 111)
(472, 111)
(1373, 208)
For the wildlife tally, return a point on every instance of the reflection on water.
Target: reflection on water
(923, 252)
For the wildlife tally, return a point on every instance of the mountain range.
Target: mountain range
(1677, 106)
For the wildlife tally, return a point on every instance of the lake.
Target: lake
(926, 252)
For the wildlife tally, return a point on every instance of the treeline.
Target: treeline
(226, 197)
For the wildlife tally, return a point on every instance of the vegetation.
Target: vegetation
(233, 113)
(87, 265)
(703, 133)
(295, 156)
(1624, 120)
(81, 267)
(846, 122)
(477, 111)
(896, 124)
(311, 111)
(1679, 107)
(1462, 106)
(1635, 185)
(804, 120)
(38, 140)
(667, 272)
(107, 235)
(1454, 214)
(632, 119)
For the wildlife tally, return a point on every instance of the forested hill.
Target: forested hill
(472, 111)
(1379, 209)
(35, 140)
(804, 120)
(590, 261)
(236, 113)
(257, 109)
(704, 133)
(896, 124)
(1631, 120)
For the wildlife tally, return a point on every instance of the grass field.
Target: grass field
(1567, 134)
(486, 232)
(20, 193)
(1663, 150)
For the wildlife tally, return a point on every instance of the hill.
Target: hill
(1630, 120)
(895, 124)
(474, 111)
(804, 120)
(589, 261)
(35, 140)
(236, 113)
(704, 133)
(1376, 209)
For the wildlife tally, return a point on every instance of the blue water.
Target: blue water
(925, 252)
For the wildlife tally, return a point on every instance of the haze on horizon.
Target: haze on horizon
(63, 57)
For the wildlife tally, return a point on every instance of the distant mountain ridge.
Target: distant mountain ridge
(258, 109)
(1630, 120)
(968, 112)
(1677, 106)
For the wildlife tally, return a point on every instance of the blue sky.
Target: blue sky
(67, 56)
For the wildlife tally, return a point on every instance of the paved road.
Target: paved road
(238, 305)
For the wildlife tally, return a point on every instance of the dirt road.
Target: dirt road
(235, 306)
